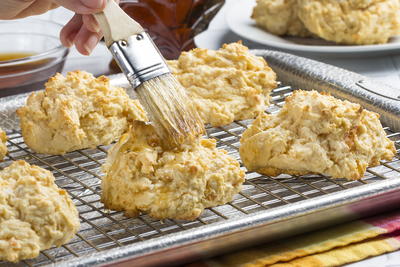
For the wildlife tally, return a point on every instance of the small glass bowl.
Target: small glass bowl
(45, 55)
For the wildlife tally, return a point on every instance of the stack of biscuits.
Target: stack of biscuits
(358, 22)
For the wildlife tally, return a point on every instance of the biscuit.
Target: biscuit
(279, 17)
(142, 177)
(76, 112)
(316, 133)
(351, 22)
(3, 144)
(227, 84)
(35, 214)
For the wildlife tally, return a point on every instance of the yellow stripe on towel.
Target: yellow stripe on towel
(300, 246)
(343, 255)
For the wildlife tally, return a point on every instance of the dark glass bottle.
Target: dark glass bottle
(173, 24)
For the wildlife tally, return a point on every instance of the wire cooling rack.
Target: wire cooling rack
(80, 174)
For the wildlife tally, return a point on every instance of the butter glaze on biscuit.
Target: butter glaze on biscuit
(75, 112)
(316, 133)
(142, 177)
(3, 144)
(227, 84)
(34, 213)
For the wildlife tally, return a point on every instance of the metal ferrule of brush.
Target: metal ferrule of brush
(139, 58)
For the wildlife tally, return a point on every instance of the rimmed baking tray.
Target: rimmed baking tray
(266, 209)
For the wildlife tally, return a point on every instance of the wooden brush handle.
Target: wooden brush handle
(116, 24)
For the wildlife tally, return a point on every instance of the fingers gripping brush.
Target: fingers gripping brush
(175, 119)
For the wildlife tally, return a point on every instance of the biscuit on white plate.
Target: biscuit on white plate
(227, 84)
(35, 213)
(142, 177)
(351, 22)
(3, 144)
(279, 17)
(316, 133)
(75, 112)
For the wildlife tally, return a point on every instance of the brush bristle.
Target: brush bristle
(172, 112)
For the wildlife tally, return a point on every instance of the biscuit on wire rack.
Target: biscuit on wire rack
(227, 84)
(316, 133)
(142, 177)
(3, 145)
(75, 112)
(35, 213)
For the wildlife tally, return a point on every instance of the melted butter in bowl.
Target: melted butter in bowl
(25, 65)
(30, 53)
(12, 56)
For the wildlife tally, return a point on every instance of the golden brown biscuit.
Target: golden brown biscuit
(35, 214)
(353, 21)
(142, 177)
(3, 144)
(279, 17)
(227, 84)
(316, 133)
(75, 112)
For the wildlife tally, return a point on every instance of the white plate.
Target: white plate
(239, 21)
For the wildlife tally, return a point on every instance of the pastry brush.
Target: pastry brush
(175, 119)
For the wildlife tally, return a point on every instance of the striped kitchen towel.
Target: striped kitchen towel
(334, 246)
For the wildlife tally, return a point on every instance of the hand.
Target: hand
(82, 30)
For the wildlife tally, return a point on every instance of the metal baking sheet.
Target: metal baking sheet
(266, 209)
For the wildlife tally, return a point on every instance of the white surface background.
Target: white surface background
(385, 68)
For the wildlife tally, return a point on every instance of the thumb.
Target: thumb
(12, 9)
(83, 7)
